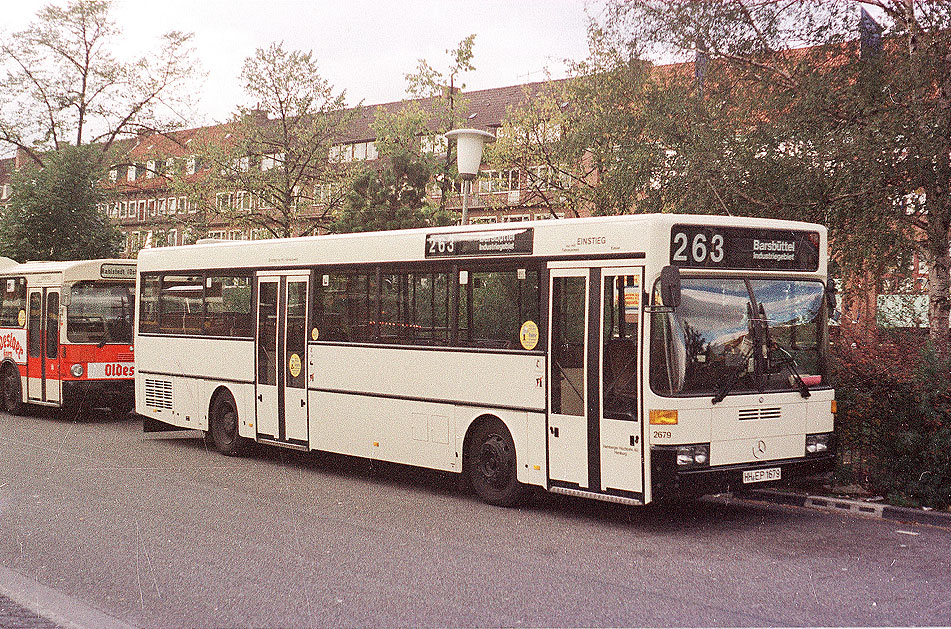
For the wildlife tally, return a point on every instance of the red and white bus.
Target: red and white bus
(66, 334)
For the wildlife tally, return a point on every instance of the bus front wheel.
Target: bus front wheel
(490, 464)
(12, 393)
(222, 432)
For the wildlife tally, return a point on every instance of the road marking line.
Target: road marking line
(62, 609)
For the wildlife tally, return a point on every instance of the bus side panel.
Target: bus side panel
(484, 379)
(183, 373)
(414, 406)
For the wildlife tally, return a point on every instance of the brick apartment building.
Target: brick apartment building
(148, 210)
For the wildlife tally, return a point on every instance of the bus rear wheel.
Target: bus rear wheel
(490, 464)
(12, 393)
(222, 432)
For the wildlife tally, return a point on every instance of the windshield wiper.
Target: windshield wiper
(789, 363)
(754, 336)
(727, 386)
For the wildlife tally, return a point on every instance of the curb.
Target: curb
(852, 507)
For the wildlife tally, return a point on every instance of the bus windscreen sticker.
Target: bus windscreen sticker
(496, 242)
(714, 247)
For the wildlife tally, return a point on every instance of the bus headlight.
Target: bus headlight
(817, 444)
(697, 455)
(76, 370)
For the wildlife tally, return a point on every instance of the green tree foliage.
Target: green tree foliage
(393, 197)
(270, 166)
(53, 214)
(63, 88)
(894, 401)
(439, 107)
(63, 83)
(413, 154)
(782, 110)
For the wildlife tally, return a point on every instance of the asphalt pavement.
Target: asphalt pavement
(111, 526)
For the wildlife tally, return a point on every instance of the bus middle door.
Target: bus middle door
(43, 381)
(281, 348)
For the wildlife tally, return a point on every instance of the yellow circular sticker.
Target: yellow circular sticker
(314, 334)
(528, 335)
(294, 365)
(21, 318)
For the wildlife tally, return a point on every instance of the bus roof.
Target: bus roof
(610, 236)
(102, 268)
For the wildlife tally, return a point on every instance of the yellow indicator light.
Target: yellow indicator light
(537, 467)
(663, 417)
(833, 407)
(376, 444)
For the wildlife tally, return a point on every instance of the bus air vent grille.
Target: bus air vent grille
(158, 393)
(759, 413)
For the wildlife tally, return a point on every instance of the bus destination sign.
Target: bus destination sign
(117, 271)
(497, 242)
(746, 248)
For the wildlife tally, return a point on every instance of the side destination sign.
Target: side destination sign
(749, 248)
(117, 271)
(497, 242)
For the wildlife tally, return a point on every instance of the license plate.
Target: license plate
(761, 476)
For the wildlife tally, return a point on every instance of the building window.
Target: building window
(243, 200)
(433, 144)
(150, 169)
(130, 173)
(190, 165)
(498, 180)
(113, 173)
(223, 201)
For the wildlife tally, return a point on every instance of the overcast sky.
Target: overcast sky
(362, 46)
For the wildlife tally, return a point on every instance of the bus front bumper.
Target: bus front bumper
(115, 394)
(669, 481)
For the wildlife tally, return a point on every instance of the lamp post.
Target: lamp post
(469, 145)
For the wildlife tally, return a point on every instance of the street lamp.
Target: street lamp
(469, 144)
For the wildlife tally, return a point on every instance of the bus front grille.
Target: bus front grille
(746, 414)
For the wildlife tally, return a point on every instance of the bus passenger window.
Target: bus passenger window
(345, 307)
(14, 302)
(494, 305)
(148, 303)
(228, 305)
(180, 304)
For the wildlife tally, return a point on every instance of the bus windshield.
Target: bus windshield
(740, 336)
(100, 312)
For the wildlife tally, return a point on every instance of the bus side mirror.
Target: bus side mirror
(830, 296)
(670, 286)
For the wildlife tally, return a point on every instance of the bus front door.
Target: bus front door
(43, 380)
(595, 432)
(281, 345)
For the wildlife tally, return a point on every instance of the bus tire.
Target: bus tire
(12, 391)
(222, 432)
(489, 464)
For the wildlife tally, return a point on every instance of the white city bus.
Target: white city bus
(66, 334)
(621, 358)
